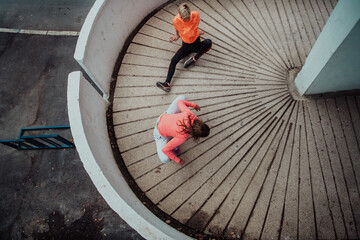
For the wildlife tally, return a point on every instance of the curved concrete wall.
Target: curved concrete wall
(103, 35)
(88, 126)
(101, 39)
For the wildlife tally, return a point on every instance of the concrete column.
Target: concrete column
(334, 62)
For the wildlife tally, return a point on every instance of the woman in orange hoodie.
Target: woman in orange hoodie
(173, 128)
(186, 25)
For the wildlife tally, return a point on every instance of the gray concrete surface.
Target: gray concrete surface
(273, 166)
(66, 15)
(45, 194)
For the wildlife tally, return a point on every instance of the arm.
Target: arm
(184, 106)
(175, 37)
(173, 143)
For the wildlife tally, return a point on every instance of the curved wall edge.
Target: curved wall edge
(81, 45)
(105, 30)
(87, 119)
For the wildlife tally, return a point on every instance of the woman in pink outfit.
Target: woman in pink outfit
(174, 126)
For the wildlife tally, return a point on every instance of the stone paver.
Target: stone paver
(273, 166)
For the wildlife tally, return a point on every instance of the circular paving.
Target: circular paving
(273, 165)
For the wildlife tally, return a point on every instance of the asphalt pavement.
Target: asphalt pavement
(45, 194)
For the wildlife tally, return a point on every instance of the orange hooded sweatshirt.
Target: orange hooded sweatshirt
(188, 31)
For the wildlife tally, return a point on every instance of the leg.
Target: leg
(180, 54)
(200, 48)
(160, 142)
(173, 108)
(203, 47)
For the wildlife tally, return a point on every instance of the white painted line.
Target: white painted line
(40, 32)
(35, 32)
(63, 33)
(9, 30)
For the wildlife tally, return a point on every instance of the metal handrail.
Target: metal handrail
(33, 142)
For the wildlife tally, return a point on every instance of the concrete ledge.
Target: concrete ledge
(104, 33)
(88, 126)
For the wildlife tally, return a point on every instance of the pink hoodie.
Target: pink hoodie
(168, 126)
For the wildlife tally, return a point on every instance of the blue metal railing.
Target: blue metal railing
(32, 142)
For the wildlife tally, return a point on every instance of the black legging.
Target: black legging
(199, 47)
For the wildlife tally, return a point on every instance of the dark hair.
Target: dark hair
(196, 128)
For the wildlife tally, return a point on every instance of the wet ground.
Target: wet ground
(45, 194)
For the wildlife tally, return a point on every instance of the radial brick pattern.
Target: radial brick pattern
(273, 166)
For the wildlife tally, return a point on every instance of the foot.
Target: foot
(190, 61)
(176, 151)
(164, 86)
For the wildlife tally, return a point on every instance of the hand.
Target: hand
(197, 108)
(182, 162)
(174, 38)
(201, 32)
